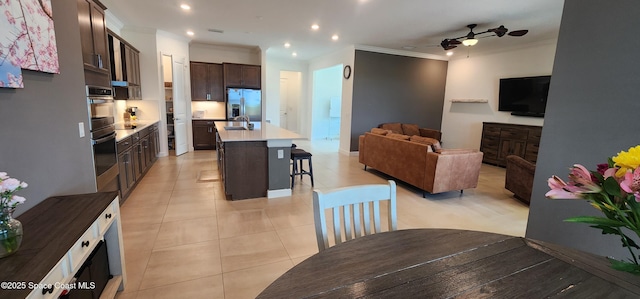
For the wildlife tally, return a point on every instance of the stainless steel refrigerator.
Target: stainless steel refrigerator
(244, 101)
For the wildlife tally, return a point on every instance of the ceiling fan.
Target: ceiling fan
(471, 38)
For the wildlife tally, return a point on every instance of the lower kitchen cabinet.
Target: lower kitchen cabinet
(204, 137)
(136, 154)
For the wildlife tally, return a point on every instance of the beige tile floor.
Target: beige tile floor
(184, 240)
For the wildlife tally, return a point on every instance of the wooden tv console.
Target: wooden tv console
(500, 140)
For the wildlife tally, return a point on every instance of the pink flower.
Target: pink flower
(560, 189)
(581, 178)
(631, 183)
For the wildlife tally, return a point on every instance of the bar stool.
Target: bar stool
(299, 155)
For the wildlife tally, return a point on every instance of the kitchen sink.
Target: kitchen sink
(234, 128)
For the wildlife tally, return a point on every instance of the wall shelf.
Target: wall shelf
(469, 101)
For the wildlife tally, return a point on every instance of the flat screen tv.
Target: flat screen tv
(525, 96)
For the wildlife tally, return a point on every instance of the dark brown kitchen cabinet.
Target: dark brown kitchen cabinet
(125, 68)
(241, 75)
(136, 154)
(204, 137)
(206, 82)
(244, 162)
(93, 39)
(500, 140)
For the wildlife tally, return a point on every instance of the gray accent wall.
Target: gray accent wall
(393, 88)
(592, 113)
(39, 138)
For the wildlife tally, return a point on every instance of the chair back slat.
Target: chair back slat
(352, 209)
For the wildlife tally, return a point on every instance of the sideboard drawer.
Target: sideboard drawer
(106, 218)
(47, 287)
(83, 247)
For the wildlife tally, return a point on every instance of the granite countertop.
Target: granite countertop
(262, 131)
(122, 133)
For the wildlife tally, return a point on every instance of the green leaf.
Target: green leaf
(612, 187)
(606, 229)
(625, 266)
(598, 176)
(631, 243)
(595, 221)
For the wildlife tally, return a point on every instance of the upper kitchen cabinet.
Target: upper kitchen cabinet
(206, 82)
(93, 37)
(241, 75)
(125, 68)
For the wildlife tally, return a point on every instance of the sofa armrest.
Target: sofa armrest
(519, 177)
(435, 134)
(453, 171)
(361, 149)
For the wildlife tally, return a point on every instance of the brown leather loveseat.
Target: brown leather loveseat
(519, 177)
(413, 160)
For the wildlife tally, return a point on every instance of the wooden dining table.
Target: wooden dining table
(447, 263)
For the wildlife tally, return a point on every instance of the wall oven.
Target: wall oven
(103, 137)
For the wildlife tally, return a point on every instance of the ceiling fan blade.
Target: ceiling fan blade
(454, 42)
(500, 31)
(518, 32)
(448, 44)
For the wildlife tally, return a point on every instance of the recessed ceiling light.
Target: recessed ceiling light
(294, 54)
(287, 45)
(185, 6)
(315, 27)
(190, 33)
(449, 53)
(335, 37)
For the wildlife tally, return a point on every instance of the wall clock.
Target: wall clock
(347, 72)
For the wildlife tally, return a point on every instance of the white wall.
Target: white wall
(327, 84)
(220, 54)
(478, 78)
(344, 56)
(271, 94)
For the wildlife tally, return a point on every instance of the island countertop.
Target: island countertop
(262, 131)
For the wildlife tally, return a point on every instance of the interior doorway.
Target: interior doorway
(175, 104)
(290, 95)
(326, 105)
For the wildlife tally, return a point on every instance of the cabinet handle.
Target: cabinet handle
(85, 243)
(107, 216)
(208, 96)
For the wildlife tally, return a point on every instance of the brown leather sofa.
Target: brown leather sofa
(417, 164)
(519, 177)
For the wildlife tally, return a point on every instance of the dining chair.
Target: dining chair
(356, 211)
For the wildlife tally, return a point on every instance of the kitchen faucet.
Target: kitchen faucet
(243, 117)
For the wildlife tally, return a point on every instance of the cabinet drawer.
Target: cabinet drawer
(46, 288)
(491, 131)
(490, 153)
(106, 218)
(513, 133)
(83, 247)
(135, 138)
(534, 135)
(124, 144)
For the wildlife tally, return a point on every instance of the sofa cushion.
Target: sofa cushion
(410, 129)
(380, 131)
(395, 127)
(398, 136)
(435, 134)
(435, 144)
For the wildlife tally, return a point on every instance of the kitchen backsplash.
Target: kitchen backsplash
(211, 110)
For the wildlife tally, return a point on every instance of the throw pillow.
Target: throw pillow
(434, 143)
(398, 136)
(380, 131)
(394, 127)
(410, 129)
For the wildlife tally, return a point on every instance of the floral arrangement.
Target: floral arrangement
(8, 187)
(614, 189)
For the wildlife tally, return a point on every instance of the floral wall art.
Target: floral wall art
(27, 40)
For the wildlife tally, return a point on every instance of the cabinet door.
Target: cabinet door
(135, 60)
(99, 30)
(199, 90)
(215, 82)
(232, 75)
(128, 64)
(86, 37)
(123, 159)
(202, 135)
(251, 76)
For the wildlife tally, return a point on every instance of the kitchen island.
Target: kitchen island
(254, 163)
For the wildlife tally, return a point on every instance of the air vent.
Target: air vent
(216, 30)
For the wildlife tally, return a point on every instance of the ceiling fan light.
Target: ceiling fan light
(470, 42)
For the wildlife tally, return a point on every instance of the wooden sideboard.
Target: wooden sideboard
(59, 235)
(500, 140)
